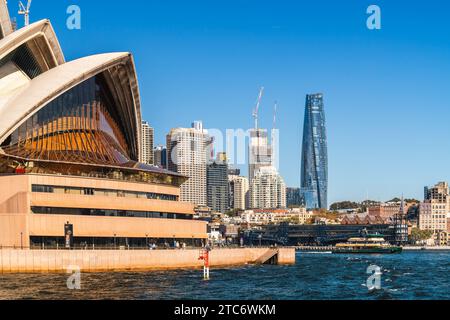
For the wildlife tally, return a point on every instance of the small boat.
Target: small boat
(370, 244)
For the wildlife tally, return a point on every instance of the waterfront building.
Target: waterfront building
(293, 198)
(217, 184)
(276, 216)
(70, 142)
(188, 152)
(239, 192)
(147, 143)
(433, 211)
(314, 165)
(160, 157)
(385, 210)
(267, 189)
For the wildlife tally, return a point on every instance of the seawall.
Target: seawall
(29, 261)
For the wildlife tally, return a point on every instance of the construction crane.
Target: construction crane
(275, 109)
(258, 103)
(25, 11)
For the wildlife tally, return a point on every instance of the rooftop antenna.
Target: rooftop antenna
(258, 103)
(25, 11)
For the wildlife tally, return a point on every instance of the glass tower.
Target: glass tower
(314, 174)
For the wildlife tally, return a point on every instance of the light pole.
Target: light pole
(21, 240)
(114, 241)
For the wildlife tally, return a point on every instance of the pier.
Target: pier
(29, 261)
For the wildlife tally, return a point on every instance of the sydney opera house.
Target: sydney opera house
(69, 151)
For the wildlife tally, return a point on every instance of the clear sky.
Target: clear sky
(387, 93)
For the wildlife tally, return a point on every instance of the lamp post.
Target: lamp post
(21, 240)
(114, 241)
(146, 240)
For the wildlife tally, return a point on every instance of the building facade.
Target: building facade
(267, 189)
(277, 216)
(160, 157)
(147, 143)
(260, 152)
(434, 210)
(188, 151)
(314, 166)
(218, 194)
(70, 144)
(293, 198)
(239, 192)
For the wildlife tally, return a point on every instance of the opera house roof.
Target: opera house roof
(81, 117)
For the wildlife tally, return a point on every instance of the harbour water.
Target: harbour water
(316, 276)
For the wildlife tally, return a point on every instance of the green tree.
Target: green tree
(420, 235)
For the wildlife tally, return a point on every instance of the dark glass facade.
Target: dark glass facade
(103, 192)
(82, 125)
(109, 213)
(314, 167)
(217, 186)
(24, 60)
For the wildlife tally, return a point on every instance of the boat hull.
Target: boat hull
(390, 250)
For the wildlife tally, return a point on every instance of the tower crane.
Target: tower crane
(258, 103)
(25, 11)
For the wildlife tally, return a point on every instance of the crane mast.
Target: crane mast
(25, 11)
(258, 103)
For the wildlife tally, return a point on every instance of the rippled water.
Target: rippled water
(411, 275)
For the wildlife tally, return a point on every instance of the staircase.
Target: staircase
(269, 257)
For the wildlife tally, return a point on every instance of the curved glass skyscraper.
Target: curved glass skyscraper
(314, 175)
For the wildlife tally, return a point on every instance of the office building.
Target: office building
(160, 157)
(217, 184)
(260, 152)
(188, 151)
(293, 198)
(147, 137)
(314, 165)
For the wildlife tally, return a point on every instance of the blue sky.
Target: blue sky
(387, 94)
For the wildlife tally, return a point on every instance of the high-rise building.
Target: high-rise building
(147, 137)
(239, 191)
(188, 152)
(217, 184)
(267, 189)
(160, 157)
(434, 211)
(260, 152)
(293, 198)
(314, 172)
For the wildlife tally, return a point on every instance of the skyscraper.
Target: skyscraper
(160, 157)
(314, 174)
(147, 143)
(293, 198)
(239, 190)
(188, 152)
(267, 189)
(217, 184)
(260, 151)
